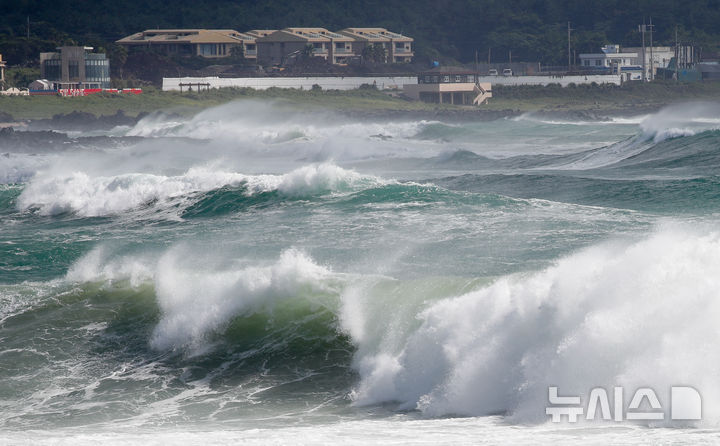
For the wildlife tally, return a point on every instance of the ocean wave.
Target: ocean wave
(613, 314)
(88, 196)
(616, 313)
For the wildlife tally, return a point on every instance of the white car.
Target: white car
(507, 72)
(492, 72)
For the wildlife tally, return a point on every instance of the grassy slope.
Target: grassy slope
(600, 98)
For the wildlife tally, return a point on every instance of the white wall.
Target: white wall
(262, 83)
(383, 83)
(545, 80)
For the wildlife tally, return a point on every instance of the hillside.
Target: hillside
(534, 30)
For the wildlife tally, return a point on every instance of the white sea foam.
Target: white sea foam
(681, 120)
(196, 304)
(268, 122)
(637, 314)
(85, 195)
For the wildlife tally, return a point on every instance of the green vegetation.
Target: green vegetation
(534, 30)
(35, 107)
(633, 97)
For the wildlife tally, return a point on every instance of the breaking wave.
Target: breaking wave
(87, 196)
(617, 313)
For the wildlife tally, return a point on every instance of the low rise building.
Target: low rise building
(276, 48)
(654, 57)
(611, 58)
(75, 67)
(449, 86)
(211, 43)
(398, 48)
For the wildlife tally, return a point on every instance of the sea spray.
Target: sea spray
(88, 196)
(638, 314)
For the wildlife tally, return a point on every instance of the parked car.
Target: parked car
(492, 72)
(507, 72)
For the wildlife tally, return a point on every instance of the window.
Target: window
(73, 69)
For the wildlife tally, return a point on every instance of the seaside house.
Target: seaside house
(277, 47)
(398, 48)
(210, 43)
(75, 67)
(448, 85)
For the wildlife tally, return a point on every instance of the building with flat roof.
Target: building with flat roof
(211, 43)
(398, 47)
(75, 67)
(449, 86)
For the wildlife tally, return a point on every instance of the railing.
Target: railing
(402, 51)
(343, 50)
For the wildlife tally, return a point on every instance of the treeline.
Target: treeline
(533, 30)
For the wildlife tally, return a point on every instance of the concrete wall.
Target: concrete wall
(262, 83)
(545, 80)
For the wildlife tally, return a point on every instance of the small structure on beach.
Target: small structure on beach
(456, 86)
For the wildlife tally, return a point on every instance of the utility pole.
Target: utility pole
(477, 70)
(28, 27)
(510, 56)
(569, 55)
(652, 62)
(642, 31)
(489, 51)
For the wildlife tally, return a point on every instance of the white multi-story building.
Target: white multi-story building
(611, 57)
(629, 60)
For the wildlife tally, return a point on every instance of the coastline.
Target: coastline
(597, 103)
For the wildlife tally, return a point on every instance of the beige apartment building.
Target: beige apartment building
(398, 48)
(273, 47)
(211, 43)
(276, 48)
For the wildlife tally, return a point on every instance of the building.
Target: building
(630, 60)
(2, 70)
(449, 86)
(398, 48)
(75, 67)
(211, 43)
(655, 57)
(278, 47)
(611, 59)
(337, 48)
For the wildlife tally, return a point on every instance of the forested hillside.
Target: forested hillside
(534, 30)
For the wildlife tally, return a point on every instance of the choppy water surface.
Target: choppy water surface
(262, 273)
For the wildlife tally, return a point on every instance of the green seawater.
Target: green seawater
(219, 273)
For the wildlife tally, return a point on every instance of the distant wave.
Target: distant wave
(87, 196)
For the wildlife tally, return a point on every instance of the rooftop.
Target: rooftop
(186, 36)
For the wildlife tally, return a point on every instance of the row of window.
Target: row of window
(447, 79)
